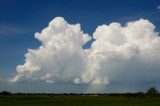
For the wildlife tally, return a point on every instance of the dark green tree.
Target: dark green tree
(5, 93)
(152, 92)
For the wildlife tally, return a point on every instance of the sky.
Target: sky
(82, 46)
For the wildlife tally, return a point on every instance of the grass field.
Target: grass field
(78, 101)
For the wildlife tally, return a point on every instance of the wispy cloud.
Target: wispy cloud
(12, 30)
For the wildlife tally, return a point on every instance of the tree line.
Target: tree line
(150, 92)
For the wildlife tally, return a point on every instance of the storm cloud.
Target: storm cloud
(118, 54)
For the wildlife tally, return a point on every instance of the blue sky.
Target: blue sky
(20, 19)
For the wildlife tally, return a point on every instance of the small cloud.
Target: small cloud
(158, 7)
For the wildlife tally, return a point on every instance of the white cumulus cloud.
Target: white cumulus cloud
(59, 58)
(125, 54)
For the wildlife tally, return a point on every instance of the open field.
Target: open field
(77, 101)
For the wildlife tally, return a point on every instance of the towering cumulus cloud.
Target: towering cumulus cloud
(128, 54)
(59, 58)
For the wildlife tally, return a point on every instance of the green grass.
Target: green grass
(78, 101)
